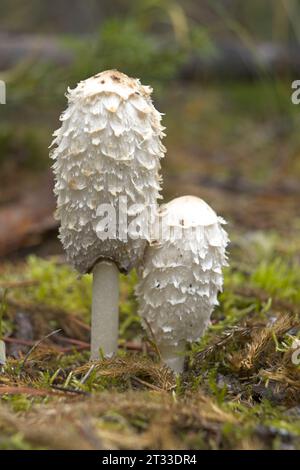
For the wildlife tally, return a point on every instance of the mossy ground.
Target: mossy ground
(240, 388)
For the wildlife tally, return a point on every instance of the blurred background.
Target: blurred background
(221, 72)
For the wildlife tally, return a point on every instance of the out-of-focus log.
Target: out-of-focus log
(15, 48)
(231, 60)
(25, 221)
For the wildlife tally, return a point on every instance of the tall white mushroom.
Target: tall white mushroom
(181, 276)
(107, 163)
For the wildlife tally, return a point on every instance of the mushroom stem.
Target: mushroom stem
(173, 356)
(105, 310)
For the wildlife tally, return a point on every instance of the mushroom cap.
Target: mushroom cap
(181, 273)
(110, 81)
(107, 148)
(188, 211)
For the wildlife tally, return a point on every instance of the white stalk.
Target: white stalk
(173, 356)
(105, 310)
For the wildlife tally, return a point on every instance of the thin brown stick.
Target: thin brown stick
(15, 390)
(32, 343)
(147, 384)
(81, 323)
(25, 342)
(70, 390)
(16, 284)
(77, 342)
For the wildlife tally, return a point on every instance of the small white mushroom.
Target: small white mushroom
(181, 276)
(108, 151)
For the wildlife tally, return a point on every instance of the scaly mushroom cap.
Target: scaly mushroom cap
(109, 146)
(181, 273)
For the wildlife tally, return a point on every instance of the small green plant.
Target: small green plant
(279, 278)
(123, 45)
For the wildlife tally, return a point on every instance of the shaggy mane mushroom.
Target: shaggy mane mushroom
(107, 148)
(181, 275)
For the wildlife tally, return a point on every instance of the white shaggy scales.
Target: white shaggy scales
(181, 276)
(109, 146)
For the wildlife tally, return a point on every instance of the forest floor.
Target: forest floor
(241, 384)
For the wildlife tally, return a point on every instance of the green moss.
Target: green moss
(15, 442)
(58, 286)
(250, 409)
(279, 278)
